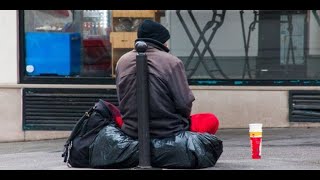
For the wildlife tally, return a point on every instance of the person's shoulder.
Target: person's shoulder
(172, 58)
(127, 55)
(124, 61)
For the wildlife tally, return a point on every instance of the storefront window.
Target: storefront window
(243, 45)
(232, 47)
(67, 43)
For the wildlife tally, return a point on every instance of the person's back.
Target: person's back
(170, 96)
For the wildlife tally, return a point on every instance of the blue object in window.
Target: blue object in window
(53, 53)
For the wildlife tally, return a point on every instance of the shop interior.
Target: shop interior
(213, 44)
(79, 43)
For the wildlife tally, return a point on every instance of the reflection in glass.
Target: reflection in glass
(213, 44)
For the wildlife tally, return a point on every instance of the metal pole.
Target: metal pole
(143, 105)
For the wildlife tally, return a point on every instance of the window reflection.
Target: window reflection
(213, 44)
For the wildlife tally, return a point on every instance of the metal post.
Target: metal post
(143, 105)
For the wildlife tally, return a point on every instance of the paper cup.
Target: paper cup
(255, 132)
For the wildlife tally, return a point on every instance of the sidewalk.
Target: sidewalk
(282, 149)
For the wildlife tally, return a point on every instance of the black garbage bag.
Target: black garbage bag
(186, 150)
(114, 149)
(171, 152)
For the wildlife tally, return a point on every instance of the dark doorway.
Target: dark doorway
(282, 45)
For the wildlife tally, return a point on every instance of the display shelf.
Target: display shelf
(124, 26)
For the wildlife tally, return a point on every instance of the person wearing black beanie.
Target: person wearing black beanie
(170, 100)
(153, 30)
(154, 33)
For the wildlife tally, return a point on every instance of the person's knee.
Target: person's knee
(214, 125)
(204, 122)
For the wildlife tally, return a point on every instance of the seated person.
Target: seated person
(170, 96)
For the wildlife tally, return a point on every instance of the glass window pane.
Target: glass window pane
(250, 44)
(213, 44)
(68, 43)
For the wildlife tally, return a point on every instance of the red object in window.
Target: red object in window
(97, 51)
(94, 42)
(57, 13)
(97, 57)
(63, 12)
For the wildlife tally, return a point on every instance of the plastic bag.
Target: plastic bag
(186, 150)
(114, 149)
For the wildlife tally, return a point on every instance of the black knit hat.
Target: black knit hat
(153, 30)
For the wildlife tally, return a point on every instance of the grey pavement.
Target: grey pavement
(282, 149)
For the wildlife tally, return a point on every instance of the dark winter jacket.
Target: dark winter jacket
(170, 96)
